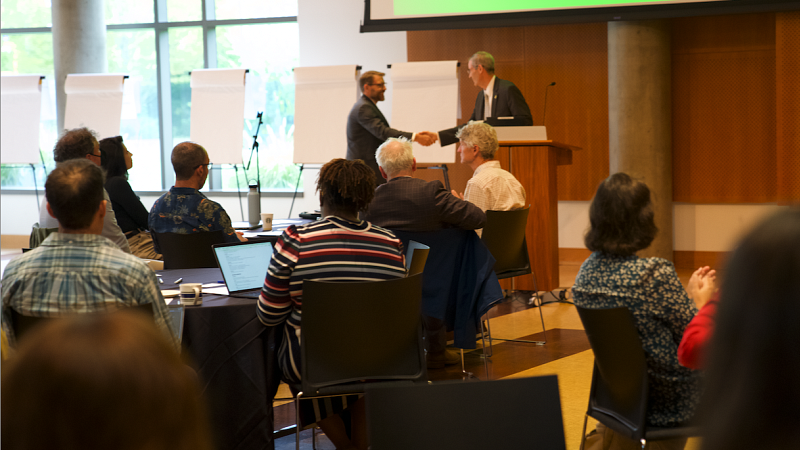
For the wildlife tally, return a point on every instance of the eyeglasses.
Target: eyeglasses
(207, 165)
(379, 85)
(96, 156)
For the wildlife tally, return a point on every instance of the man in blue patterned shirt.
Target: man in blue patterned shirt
(184, 209)
(76, 270)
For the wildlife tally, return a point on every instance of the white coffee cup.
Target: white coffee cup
(191, 294)
(266, 221)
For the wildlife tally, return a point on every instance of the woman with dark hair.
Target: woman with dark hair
(101, 381)
(354, 250)
(752, 382)
(621, 224)
(131, 214)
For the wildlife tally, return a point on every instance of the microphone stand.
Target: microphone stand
(545, 100)
(250, 160)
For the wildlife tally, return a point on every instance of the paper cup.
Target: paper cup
(191, 294)
(266, 221)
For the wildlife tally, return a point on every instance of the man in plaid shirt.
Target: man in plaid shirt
(76, 270)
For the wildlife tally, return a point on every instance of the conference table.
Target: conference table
(235, 358)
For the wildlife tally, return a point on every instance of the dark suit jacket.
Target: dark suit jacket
(507, 101)
(367, 129)
(411, 204)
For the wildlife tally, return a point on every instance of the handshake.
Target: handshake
(426, 138)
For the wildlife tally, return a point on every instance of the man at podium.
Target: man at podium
(498, 98)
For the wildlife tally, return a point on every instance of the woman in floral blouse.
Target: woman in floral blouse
(621, 218)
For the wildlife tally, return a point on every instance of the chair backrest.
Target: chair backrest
(189, 251)
(504, 236)
(23, 325)
(619, 381)
(39, 234)
(416, 256)
(523, 413)
(361, 331)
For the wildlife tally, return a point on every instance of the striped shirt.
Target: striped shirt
(332, 249)
(79, 273)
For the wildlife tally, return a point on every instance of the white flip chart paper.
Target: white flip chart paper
(425, 98)
(323, 99)
(217, 121)
(19, 123)
(94, 101)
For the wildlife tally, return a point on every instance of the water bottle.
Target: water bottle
(254, 205)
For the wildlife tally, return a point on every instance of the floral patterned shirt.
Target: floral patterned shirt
(651, 290)
(187, 210)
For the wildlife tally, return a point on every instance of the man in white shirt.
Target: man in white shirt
(491, 187)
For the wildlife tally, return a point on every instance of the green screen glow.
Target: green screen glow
(426, 7)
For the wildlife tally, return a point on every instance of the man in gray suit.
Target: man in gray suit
(367, 128)
(410, 204)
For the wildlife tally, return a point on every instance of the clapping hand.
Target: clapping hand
(426, 138)
(702, 285)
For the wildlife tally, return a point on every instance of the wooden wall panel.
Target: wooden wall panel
(724, 109)
(787, 56)
(574, 56)
(736, 100)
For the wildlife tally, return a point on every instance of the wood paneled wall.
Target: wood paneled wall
(736, 100)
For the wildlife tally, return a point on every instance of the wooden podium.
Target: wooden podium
(534, 163)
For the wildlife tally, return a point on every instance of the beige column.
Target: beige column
(79, 43)
(640, 115)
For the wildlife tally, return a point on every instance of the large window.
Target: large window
(158, 43)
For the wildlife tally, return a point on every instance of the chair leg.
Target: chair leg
(297, 420)
(489, 334)
(583, 436)
(313, 438)
(525, 341)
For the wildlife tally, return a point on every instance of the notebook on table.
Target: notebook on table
(244, 266)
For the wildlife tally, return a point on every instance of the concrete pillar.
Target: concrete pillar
(79, 43)
(640, 115)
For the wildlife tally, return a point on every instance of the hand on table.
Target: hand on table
(241, 237)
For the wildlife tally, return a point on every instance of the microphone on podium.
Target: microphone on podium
(545, 100)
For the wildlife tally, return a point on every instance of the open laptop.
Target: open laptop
(244, 266)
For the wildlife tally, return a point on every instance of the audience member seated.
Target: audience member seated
(410, 204)
(76, 270)
(101, 381)
(621, 224)
(82, 143)
(131, 214)
(340, 247)
(752, 380)
(491, 187)
(184, 209)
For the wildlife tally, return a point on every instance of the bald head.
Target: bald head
(395, 157)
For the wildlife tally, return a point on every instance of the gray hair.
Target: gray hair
(395, 155)
(483, 59)
(482, 135)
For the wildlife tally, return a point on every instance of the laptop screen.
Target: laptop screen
(243, 264)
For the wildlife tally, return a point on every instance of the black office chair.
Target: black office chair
(619, 392)
(443, 415)
(23, 325)
(360, 331)
(38, 235)
(188, 251)
(504, 235)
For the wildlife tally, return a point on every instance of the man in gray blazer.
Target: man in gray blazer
(367, 128)
(504, 99)
(410, 204)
